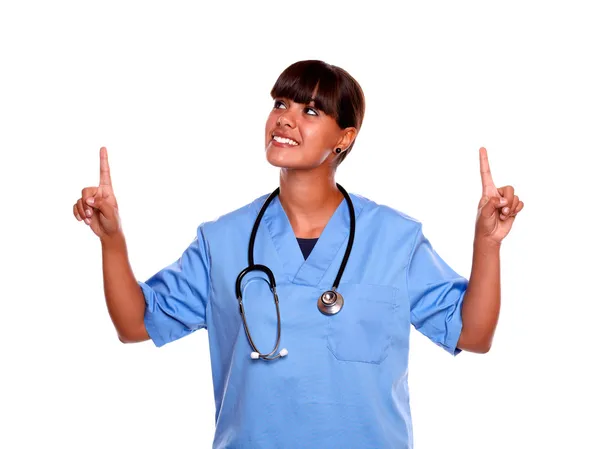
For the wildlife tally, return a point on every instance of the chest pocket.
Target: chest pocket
(362, 330)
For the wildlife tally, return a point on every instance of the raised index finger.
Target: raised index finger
(487, 183)
(104, 168)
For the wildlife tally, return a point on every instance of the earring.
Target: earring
(338, 150)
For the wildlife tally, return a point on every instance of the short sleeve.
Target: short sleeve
(177, 296)
(436, 295)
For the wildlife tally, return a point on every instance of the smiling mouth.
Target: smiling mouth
(285, 140)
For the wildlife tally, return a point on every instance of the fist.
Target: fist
(97, 206)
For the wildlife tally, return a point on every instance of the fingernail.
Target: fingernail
(88, 212)
(506, 210)
(88, 221)
(502, 200)
(90, 201)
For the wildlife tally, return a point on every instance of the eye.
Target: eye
(311, 111)
(278, 104)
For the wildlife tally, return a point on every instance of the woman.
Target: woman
(351, 277)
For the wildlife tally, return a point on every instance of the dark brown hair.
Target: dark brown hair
(338, 94)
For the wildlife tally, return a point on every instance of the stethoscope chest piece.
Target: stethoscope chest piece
(330, 302)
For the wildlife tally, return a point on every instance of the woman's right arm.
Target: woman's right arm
(169, 305)
(98, 208)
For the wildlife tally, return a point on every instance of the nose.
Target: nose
(286, 118)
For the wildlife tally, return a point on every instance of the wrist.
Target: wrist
(113, 240)
(486, 244)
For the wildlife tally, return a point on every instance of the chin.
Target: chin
(292, 158)
(283, 158)
(282, 161)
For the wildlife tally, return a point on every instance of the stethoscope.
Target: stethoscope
(329, 303)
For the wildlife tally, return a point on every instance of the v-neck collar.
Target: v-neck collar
(332, 241)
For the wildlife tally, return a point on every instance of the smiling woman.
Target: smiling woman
(348, 278)
(323, 108)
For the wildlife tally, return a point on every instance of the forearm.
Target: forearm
(124, 298)
(481, 305)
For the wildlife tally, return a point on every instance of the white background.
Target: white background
(179, 94)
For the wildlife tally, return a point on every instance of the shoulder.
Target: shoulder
(386, 216)
(236, 221)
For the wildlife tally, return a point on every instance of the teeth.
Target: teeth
(284, 140)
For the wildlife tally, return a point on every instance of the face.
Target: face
(300, 136)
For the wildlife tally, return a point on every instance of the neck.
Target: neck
(309, 199)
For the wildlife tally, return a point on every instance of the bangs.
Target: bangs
(300, 81)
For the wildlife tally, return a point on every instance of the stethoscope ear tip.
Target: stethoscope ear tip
(255, 355)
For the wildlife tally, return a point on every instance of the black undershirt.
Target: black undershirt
(306, 245)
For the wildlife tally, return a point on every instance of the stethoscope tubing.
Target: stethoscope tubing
(327, 309)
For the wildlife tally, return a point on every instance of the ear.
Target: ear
(348, 136)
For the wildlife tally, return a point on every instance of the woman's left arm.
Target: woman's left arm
(497, 211)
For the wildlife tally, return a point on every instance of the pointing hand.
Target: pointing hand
(497, 208)
(97, 206)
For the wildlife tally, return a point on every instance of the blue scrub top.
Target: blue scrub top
(344, 381)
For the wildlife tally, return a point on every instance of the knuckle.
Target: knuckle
(87, 191)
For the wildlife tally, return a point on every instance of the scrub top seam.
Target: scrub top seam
(355, 205)
(407, 268)
(277, 249)
(210, 280)
(265, 218)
